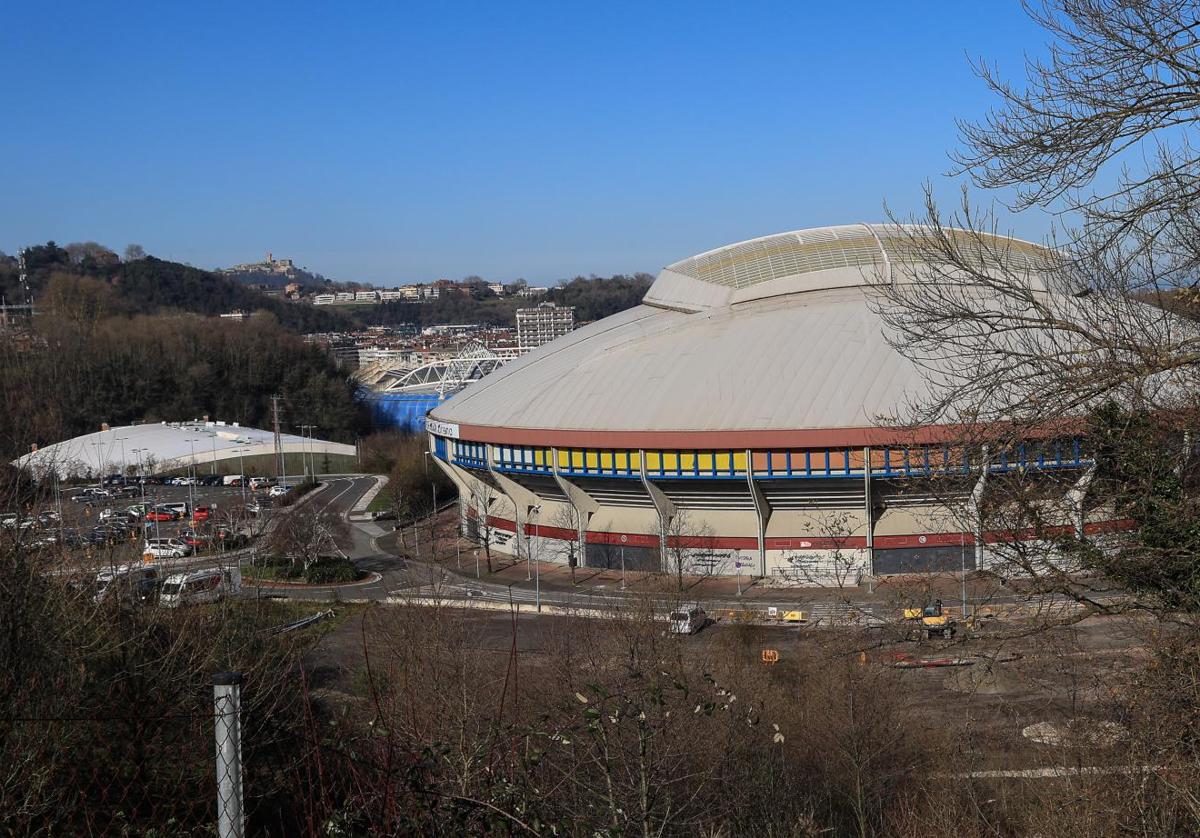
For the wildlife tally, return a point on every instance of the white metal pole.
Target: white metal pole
(227, 708)
(622, 567)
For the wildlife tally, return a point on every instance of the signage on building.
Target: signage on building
(437, 428)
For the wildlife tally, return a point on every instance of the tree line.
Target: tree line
(88, 361)
(144, 285)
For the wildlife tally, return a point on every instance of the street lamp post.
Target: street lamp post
(192, 482)
(98, 445)
(537, 575)
(121, 440)
(962, 540)
(476, 564)
(622, 567)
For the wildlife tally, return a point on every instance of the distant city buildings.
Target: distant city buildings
(542, 324)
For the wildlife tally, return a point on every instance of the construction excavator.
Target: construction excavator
(932, 620)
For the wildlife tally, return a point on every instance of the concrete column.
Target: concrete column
(1076, 496)
(522, 499)
(585, 507)
(664, 507)
(974, 505)
(763, 510)
(868, 509)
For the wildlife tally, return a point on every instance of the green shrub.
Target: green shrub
(330, 571)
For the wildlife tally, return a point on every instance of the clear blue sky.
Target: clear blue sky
(390, 142)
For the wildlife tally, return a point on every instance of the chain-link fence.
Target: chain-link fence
(142, 774)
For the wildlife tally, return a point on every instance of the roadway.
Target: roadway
(377, 549)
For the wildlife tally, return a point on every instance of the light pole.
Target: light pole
(622, 567)
(242, 472)
(121, 440)
(476, 564)
(537, 576)
(962, 540)
(98, 445)
(212, 464)
(192, 481)
(310, 466)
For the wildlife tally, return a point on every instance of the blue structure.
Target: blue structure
(401, 411)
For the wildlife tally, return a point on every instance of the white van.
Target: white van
(687, 621)
(194, 587)
(181, 510)
(257, 483)
(233, 480)
(131, 584)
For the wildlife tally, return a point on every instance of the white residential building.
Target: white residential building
(324, 299)
(540, 325)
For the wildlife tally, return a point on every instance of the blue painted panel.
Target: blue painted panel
(402, 411)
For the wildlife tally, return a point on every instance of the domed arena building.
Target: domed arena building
(744, 418)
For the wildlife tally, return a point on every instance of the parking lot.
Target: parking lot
(107, 530)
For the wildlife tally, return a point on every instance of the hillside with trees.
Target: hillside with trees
(594, 298)
(89, 362)
(146, 285)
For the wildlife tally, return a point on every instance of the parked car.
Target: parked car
(181, 509)
(160, 514)
(185, 481)
(195, 540)
(280, 490)
(167, 548)
(114, 480)
(203, 513)
(199, 586)
(91, 494)
(233, 480)
(687, 621)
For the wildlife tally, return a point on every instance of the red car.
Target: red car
(160, 515)
(202, 513)
(194, 540)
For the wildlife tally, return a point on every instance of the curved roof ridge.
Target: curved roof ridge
(797, 252)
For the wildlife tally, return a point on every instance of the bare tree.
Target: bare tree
(1119, 90)
(569, 549)
(479, 525)
(305, 537)
(133, 252)
(689, 546)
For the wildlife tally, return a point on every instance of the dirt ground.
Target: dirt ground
(1014, 680)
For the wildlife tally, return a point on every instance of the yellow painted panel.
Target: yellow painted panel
(606, 460)
(739, 460)
(635, 460)
(706, 462)
(539, 457)
(653, 460)
(564, 458)
(723, 462)
(622, 460)
(687, 462)
(576, 458)
(670, 461)
(592, 459)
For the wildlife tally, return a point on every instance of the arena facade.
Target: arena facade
(743, 419)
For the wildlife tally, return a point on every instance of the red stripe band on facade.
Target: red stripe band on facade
(734, 439)
(854, 542)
